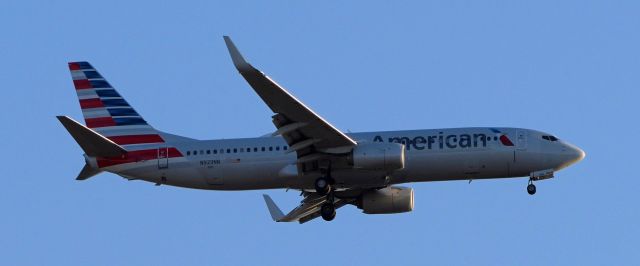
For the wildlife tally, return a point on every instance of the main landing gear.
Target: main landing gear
(323, 187)
(328, 211)
(531, 188)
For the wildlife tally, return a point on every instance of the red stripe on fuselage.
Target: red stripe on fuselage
(91, 103)
(82, 84)
(100, 122)
(136, 139)
(135, 156)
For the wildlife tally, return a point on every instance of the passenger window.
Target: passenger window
(262, 148)
(255, 149)
(277, 148)
(188, 153)
(215, 151)
(241, 149)
(270, 148)
(284, 148)
(208, 151)
(248, 149)
(235, 150)
(195, 152)
(228, 150)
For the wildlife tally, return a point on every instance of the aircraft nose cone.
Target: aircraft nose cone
(581, 154)
(575, 154)
(569, 155)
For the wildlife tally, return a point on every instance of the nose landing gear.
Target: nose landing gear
(531, 188)
(538, 175)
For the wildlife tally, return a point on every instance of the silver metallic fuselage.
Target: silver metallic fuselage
(430, 155)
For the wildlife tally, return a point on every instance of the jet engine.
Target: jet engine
(378, 156)
(387, 200)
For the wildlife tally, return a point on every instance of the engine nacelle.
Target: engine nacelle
(378, 156)
(387, 200)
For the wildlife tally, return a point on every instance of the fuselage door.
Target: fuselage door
(163, 157)
(521, 140)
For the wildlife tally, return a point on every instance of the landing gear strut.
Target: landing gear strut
(324, 182)
(531, 188)
(322, 186)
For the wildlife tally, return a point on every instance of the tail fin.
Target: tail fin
(106, 112)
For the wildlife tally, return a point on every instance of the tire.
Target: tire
(531, 189)
(328, 211)
(322, 186)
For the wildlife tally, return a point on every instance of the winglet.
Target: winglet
(276, 213)
(236, 57)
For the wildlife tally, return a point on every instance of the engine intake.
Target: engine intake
(378, 156)
(387, 200)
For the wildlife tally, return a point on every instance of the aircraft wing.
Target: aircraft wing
(308, 209)
(308, 134)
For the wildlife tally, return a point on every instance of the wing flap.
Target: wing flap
(316, 214)
(308, 209)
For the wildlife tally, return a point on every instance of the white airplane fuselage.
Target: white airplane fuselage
(430, 155)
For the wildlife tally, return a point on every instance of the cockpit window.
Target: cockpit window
(550, 138)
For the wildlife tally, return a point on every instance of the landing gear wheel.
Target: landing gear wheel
(531, 189)
(328, 211)
(322, 186)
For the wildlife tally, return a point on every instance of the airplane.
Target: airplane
(330, 168)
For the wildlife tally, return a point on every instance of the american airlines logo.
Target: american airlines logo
(503, 137)
(453, 141)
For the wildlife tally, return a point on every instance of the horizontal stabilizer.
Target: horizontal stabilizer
(276, 213)
(92, 143)
(87, 172)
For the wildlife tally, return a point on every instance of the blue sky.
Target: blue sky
(570, 68)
